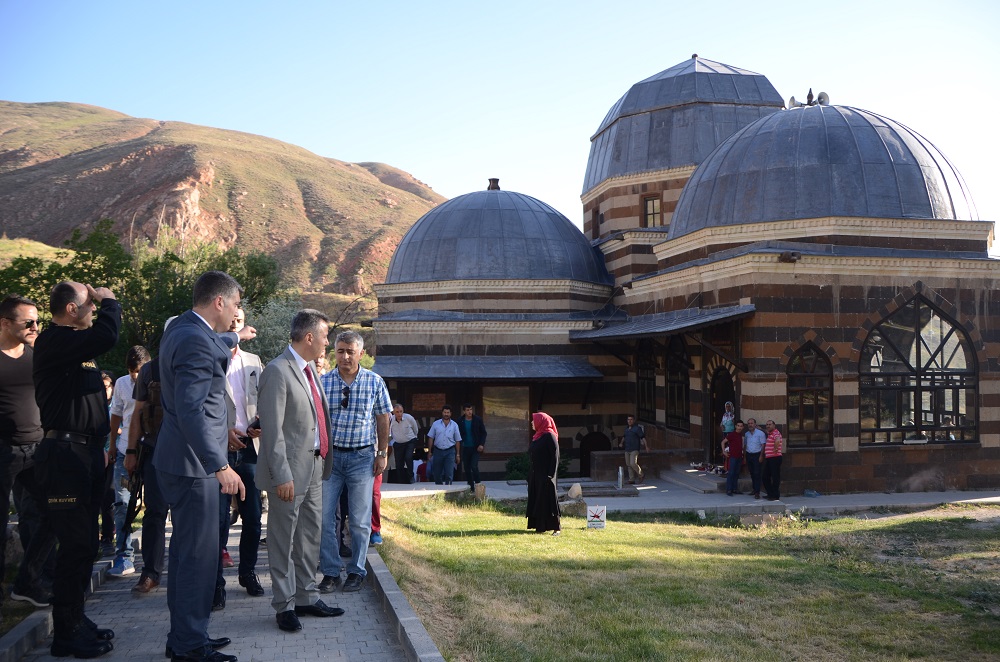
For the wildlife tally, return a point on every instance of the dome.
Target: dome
(676, 118)
(821, 161)
(495, 234)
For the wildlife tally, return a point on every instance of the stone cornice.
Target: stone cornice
(482, 326)
(641, 178)
(932, 229)
(632, 238)
(554, 287)
(882, 268)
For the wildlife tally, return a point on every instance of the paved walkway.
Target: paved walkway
(380, 625)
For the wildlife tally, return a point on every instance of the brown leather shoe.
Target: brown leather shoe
(146, 585)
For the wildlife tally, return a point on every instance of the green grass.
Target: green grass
(668, 587)
(13, 248)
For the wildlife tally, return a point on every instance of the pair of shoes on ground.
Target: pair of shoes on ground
(375, 538)
(219, 599)
(289, 620)
(329, 584)
(227, 560)
(213, 644)
(251, 584)
(146, 584)
(353, 582)
(204, 654)
(86, 641)
(35, 595)
(122, 567)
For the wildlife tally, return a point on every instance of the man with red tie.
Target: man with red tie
(293, 460)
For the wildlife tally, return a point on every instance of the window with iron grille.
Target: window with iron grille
(810, 398)
(678, 403)
(918, 379)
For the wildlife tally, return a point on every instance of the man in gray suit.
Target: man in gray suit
(294, 459)
(190, 458)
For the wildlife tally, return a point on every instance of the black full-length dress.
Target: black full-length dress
(543, 504)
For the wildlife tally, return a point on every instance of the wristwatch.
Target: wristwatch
(222, 468)
(381, 453)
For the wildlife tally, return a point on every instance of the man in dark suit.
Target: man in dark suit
(295, 457)
(190, 458)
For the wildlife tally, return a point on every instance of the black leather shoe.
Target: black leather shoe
(252, 585)
(206, 654)
(329, 584)
(345, 551)
(353, 582)
(219, 601)
(288, 621)
(214, 644)
(80, 644)
(319, 609)
(101, 634)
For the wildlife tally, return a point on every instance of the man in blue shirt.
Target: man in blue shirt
(444, 436)
(753, 451)
(359, 412)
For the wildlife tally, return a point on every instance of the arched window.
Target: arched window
(810, 398)
(917, 379)
(678, 386)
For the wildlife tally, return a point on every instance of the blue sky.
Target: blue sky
(456, 92)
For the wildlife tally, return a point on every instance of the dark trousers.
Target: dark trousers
(754, 465)
(404, 460)
(72, 478)
(193, 557)
(108, 504)
(470, 465)
(733, 476)
(17, 472)
(154, 521)
(772, 477)
(245, 464)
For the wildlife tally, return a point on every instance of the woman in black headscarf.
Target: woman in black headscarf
(543, 453)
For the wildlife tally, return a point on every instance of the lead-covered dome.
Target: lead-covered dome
(676, 118)
(495, 234)
(821, 161)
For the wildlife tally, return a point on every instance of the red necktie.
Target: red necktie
(324, 439)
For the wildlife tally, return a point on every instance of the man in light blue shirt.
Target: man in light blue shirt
(753, 449)
(444, 436)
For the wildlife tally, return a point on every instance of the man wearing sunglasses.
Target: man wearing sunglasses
(20, 432)
(360, 410)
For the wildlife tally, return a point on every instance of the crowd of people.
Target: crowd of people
(201, 428)
(762, 452)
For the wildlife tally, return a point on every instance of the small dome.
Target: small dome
(822, 161)
(495, 234)
(676, 118)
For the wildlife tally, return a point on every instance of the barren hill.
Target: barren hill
(332, 225)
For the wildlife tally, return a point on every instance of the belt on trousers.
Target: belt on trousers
(72, 437)
(349, 449)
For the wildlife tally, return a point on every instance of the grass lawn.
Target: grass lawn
(670, 587)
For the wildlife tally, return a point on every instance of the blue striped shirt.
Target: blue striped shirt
(353, 426)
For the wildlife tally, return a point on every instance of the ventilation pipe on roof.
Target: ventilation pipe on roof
(494, 184)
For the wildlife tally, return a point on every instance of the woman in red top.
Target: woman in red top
(732, 448)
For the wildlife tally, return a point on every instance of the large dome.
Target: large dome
(821, 161)
(676, 118)
(495, 234)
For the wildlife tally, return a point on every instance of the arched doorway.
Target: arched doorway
(722, 391)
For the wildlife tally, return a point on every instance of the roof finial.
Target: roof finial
(494, 184)
(694, 56)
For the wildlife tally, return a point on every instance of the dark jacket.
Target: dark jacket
(478, 432)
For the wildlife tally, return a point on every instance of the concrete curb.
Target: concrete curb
(37, 627)
(411, 632)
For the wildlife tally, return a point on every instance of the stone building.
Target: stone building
(822, 266)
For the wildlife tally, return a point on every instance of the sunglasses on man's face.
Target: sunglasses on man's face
(27, 323)
(346, 392)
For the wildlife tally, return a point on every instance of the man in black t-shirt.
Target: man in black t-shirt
(20, 432)
(69, 463)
